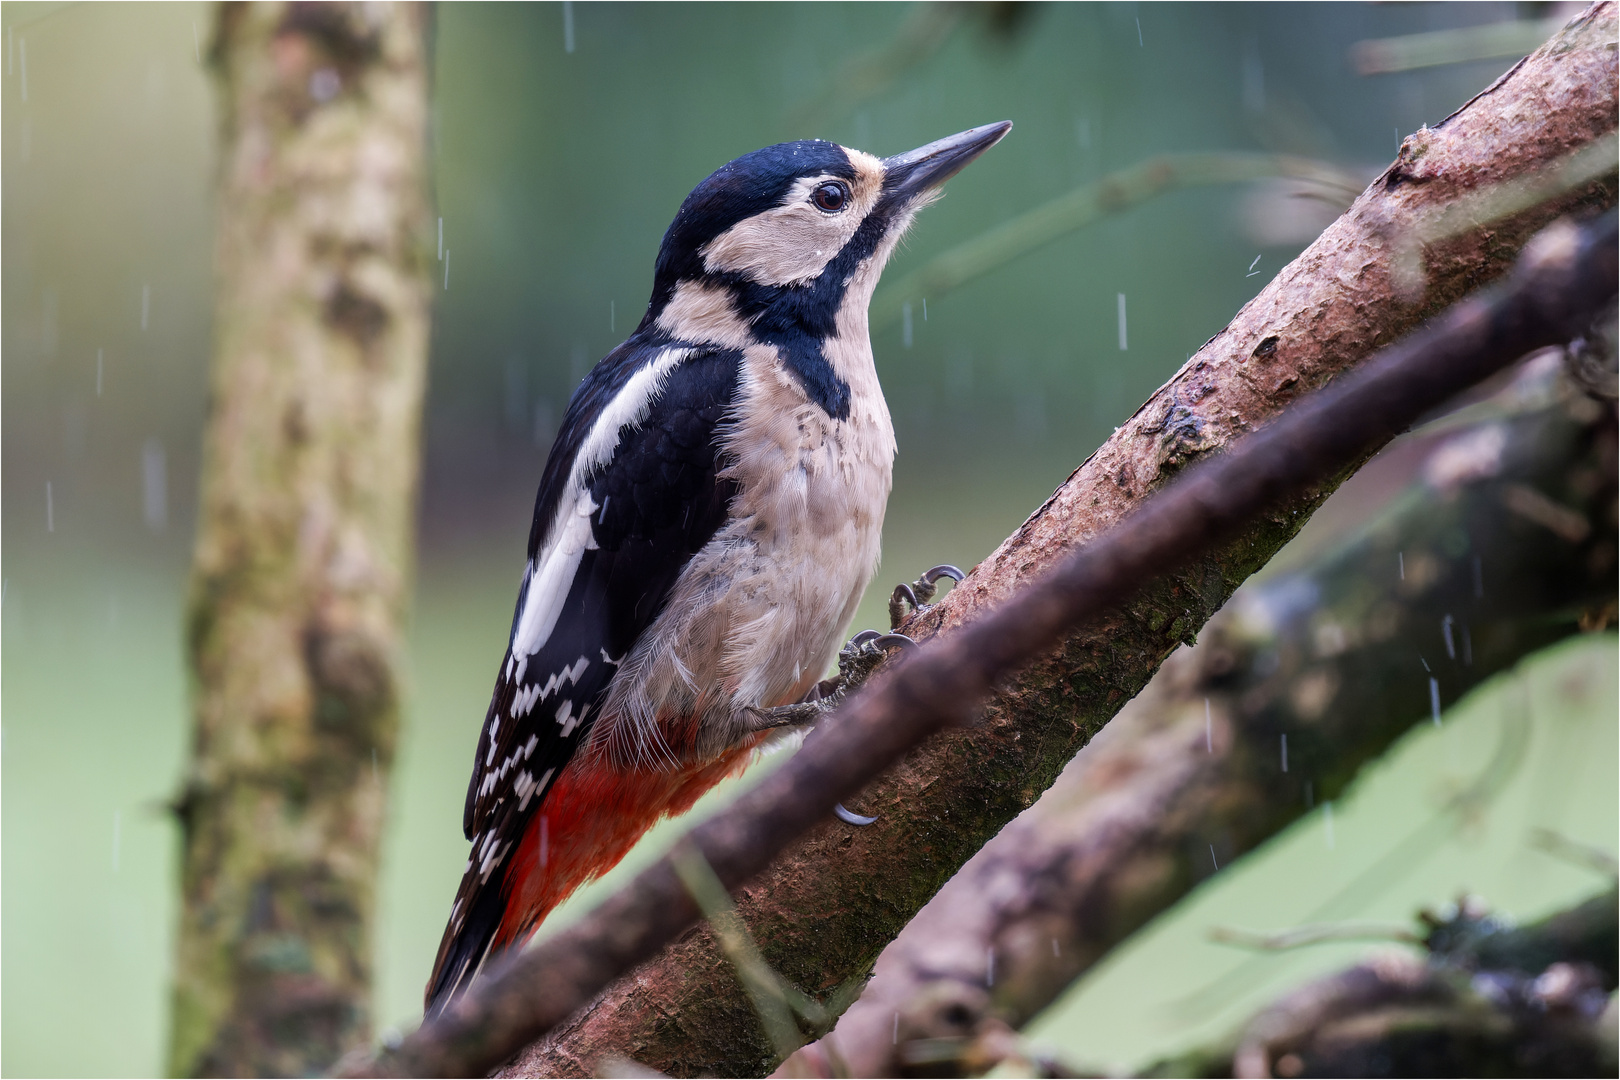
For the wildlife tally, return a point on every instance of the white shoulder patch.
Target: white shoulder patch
(551, 574)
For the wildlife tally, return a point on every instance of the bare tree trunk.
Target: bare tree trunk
(1296, 684)
(829, 905)
(303, 559)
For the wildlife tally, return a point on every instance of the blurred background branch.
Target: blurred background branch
(303, 557)
(1086, 205)
(1482, 997)
(918, 38)
(1516, 37)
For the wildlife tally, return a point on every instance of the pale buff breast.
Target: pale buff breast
(761, 611)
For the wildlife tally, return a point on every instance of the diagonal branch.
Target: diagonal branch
(822, 914)
(824, 911)
(1564, 280)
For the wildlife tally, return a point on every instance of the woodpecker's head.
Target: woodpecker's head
(786, 244)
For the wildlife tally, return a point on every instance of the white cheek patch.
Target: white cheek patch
(551, 575)
(793, 242)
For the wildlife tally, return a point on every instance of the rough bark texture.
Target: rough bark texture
(824, 911)
(1487, 1000)
(303, 557)
(1329, 657)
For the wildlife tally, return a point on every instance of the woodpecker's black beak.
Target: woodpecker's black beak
(912, 173)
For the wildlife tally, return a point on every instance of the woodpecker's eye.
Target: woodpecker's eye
(830, 196)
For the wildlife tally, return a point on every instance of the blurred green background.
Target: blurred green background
(557, 172)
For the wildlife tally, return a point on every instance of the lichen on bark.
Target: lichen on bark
(303, 557)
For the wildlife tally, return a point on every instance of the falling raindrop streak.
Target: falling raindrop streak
(441, 239)
(1285, 752)
(154, 485)
(1139, 33)
(1217, 865)
(568, 26)
(905, 324)
(613, 319)
(1254, 78)
(1434, 699)
(1121, 322)
(1451, 644)
(897, 1027)
(1400, 560)
(925, 309)
(50, 509)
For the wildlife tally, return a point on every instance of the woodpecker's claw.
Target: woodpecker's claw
(919, 592)
(856, 661)
(846, 814)
(932, 575)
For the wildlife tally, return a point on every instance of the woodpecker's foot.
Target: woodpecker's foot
(799, 714)
(856, 661)
(919, 592)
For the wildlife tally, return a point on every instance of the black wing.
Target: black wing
(658, 500)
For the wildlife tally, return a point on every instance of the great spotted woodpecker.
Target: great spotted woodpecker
(706, 524)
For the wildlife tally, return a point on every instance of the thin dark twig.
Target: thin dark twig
(1563, 279)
